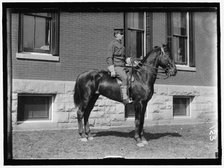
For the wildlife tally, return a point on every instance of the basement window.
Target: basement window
(181, 106)
(34, 107)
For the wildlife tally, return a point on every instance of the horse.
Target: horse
(93, 83)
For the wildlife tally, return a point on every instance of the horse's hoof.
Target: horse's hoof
(83, 139)
(140, 144)
(145, 142)
(90, 138)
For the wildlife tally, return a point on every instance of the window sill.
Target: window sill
(35, 121)
(37, 56)
(182, 117)
(186, 68)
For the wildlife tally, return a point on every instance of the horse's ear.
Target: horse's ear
(164, 45)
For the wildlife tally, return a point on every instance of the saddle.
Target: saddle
(130, 78)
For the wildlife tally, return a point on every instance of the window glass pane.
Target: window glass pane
(33, 107)
(139, 44)
(180, 50)
(136, 20)
(40, 33)
(179, 23)
(36, 32)
(141, 21)
(180, 106)
(28, 31)
(135, 44)
(129, 111)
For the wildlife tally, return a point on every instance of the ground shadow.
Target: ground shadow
(148, 136)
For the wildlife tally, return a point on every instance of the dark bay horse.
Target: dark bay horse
(89, 85)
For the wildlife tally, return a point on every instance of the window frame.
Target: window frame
(53, 52)
(50, 110)
(188, 106)
(191, 64)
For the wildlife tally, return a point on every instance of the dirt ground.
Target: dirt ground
(165, 142)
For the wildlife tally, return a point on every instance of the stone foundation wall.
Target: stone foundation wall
(106, 112)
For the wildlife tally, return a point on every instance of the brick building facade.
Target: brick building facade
(43, 83)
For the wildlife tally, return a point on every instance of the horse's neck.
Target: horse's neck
(147, 74)
(152, 65)
(149, 68)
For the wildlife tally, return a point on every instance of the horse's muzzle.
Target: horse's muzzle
(172, 72)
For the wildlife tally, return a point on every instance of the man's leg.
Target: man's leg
(121, 74)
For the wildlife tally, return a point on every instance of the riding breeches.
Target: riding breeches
(121, 74)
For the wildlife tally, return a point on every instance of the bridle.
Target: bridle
(160, 71)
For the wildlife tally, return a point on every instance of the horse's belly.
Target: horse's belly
(110, 90)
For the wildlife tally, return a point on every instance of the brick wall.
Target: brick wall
(84, 38)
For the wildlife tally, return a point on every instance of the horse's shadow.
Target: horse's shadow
(148, 136)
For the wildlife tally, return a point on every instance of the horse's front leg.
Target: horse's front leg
(137, 125)
(138, 110)
(142, 119)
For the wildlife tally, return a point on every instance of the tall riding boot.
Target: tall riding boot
(125, 97)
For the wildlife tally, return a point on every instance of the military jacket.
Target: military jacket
(116, 51)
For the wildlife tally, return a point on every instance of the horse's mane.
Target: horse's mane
(155, 49)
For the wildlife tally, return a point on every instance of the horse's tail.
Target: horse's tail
(85, 86)
(78, 93)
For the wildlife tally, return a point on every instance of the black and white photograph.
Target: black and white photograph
(112, 83)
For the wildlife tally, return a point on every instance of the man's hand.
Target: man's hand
(112, 70)
(113, 74)
(128, 61)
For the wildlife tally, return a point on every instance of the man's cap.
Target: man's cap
(119, 31)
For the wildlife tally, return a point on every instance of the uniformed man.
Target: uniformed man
(116, 51)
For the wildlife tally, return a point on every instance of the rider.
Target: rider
(116, 52)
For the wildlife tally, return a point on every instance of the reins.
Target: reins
(158, 73)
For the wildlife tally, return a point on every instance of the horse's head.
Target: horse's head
(165, 61)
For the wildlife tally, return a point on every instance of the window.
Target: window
(39, 33)
(129, 111)
(180, 35)
(181, 106)
(34, 107)
(134, 34)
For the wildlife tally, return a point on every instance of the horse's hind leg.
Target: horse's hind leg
(89, 108)
(80, 115)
